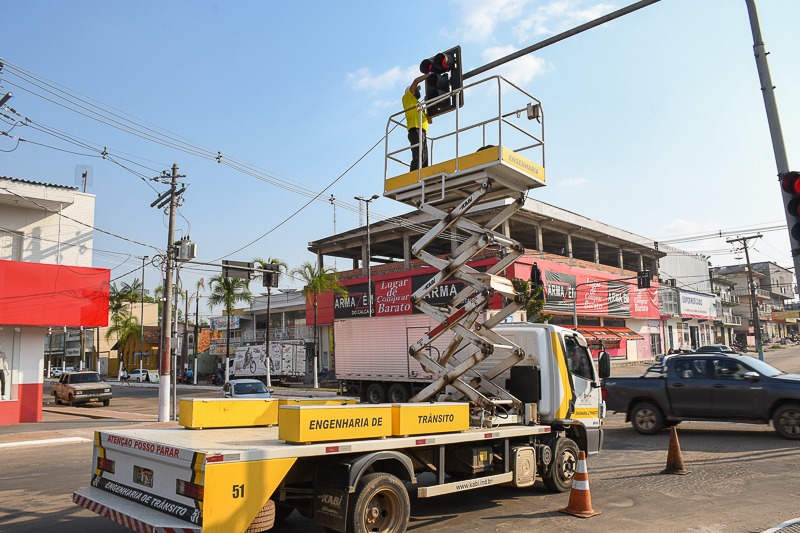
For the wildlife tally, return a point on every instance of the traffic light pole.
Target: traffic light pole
(778, 146)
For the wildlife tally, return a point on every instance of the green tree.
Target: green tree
(227, 292)
(533, 300)
(318, 280)
(125, 326)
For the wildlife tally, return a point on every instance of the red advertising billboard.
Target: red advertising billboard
(34, 294)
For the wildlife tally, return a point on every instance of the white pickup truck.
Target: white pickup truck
(81, 387)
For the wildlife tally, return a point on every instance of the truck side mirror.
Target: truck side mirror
(604, 365)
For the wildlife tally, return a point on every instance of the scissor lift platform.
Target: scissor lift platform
(449, 182)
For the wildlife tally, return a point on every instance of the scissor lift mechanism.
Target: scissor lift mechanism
(451, 199)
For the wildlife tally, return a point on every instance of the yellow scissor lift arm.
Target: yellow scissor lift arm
(450, 191)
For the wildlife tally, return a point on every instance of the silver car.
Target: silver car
(245, 388)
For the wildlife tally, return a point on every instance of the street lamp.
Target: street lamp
(268, 294)
(369, 254)
(141, 319)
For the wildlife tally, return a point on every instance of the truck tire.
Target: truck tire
(264, 520)
(646, 418)
(558, 478)
(106, 403)
(376, 393)
(381, 504)
(71, 401)
(787, 421)
(398, 393)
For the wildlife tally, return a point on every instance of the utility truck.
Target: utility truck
(500, 403)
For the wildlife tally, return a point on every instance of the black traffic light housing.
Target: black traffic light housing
(643, 279)
(790, 183)
(445, 77)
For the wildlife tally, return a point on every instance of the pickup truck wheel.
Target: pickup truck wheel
(646, 418)
(398, 393)
(71, 400)
(381, 505)
(376, 393)
(106, 403)
(787, 421)
(558, 477)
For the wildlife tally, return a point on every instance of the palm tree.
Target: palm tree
(318, 280)
(227, 292)
(262, 264)
(125, 326)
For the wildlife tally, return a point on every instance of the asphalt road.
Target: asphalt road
(743, 478)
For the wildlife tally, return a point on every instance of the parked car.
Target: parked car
(245, 388)
(57, 371)
(715, 348)
(81, 387)
(723, 387)
(138, 375)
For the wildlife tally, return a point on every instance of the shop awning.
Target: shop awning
(625, 333)
(598, 333)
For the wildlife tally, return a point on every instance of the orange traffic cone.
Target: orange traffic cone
(674, 457)
(580, 501)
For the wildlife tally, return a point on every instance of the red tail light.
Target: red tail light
(604, 393)
(190, 490)
(106, 465)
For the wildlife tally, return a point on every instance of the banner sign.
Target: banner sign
(595, 292)
(220, 323)
(392, 297)
(696, 305)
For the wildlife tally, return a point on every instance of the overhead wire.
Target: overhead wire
(193, 148)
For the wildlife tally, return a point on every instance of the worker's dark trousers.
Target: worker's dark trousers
(414, 139)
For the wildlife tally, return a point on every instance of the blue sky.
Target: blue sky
(655, 122)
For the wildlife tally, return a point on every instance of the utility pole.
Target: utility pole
(752, 287)
(166, 320)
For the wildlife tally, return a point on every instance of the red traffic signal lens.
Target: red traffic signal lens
(425, 66)
(790, 182)
(444, 62)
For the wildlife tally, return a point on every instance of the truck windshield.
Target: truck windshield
(578, 361)
(250, 388)
(85, 378)
(761, 367)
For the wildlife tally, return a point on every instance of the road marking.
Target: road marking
(44, 442)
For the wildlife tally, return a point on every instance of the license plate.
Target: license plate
(143, 476)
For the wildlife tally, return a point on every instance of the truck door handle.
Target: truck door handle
(719, 386)
(677, 384)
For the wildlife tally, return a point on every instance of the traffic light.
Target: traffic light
(536, 276)
(445, 77)
(643, 279)
(790, 183)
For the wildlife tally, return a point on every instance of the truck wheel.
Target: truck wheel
(398, 393)
(558, 477)
(264, 520)
(787, 421)
(106, 403)
(381, 504)
(71, 400)
(646, 418)
(376, 393)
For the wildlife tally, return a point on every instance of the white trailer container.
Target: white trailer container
(372, 359)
